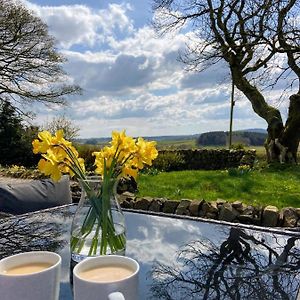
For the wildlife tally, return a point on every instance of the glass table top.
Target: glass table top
(180, 258)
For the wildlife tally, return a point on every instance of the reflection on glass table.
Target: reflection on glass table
(180, 258)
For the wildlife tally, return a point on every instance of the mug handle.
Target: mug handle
(115, 296)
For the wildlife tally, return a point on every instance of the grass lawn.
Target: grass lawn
(271, 186)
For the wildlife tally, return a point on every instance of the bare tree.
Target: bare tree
(250, 36)
(71, 131)
(30, 66)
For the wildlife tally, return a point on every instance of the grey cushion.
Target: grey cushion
(21, 198)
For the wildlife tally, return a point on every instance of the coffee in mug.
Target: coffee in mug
(26, 269)
(106, 277)
(107, 273)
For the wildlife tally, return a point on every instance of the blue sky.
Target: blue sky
(131, 79)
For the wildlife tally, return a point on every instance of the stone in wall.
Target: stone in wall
(270, 216)
(142, 203)
(289, 217)
(249, 210)
(215, 207)
(228, 213)
(126, 204)
(126, 196)
(248, 158)
(195, 207)
(239, 206)
(220, 201)
(170, 206)
(156, 205)
(245, 219)
(127, 184)
(183, 207)
(208, 211)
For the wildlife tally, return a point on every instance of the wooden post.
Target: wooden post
(232, 102)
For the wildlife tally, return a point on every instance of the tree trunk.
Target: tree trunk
(291, 134)
(283, 140)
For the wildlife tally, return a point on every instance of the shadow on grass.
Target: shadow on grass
(230, 187)
(289, 170)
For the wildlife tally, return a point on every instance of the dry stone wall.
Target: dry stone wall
(208, 159)
(268, 216)
(238, 212)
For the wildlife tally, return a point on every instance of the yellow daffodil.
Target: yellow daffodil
(129, 171)
(124, 144)
(42, 144)
(147, 151)
(49, 168)
(81, 163)
(124, 157)
(59, 156)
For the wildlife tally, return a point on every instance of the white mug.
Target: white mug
(126, 288)
(37, 285)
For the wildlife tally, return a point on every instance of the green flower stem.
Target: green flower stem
(100, 212)
(105, 208)
(93, 249)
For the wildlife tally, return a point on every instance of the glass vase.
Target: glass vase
(98, 226)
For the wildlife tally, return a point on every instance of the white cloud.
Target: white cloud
(132, 79)
(79, 24)
(130, 65)
(144, 41)
(113, 74)
(115, 17)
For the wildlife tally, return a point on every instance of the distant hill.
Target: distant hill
(172, 137)
(95, 141)
(249, 137)
(259, 130)
(253, 137)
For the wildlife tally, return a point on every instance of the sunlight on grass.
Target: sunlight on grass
(258, 187)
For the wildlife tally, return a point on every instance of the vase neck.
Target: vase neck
(95, 183)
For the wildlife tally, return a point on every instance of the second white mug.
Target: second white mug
(88, 287)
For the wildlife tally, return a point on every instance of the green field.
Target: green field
(274, 186)
(177, 144)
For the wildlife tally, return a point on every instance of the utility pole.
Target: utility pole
(232, 102)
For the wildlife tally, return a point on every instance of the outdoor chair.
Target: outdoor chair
(20, 198)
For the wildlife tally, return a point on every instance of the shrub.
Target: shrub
(21, 172)
(241, 170)
(237, 146)
(168, 161)
(15, 138)
(86, 151)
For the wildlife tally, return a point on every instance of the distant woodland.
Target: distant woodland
(220, 138)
